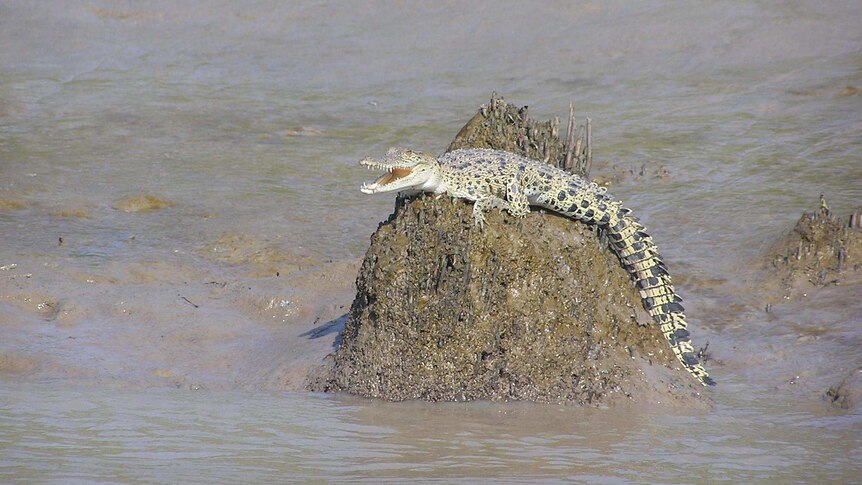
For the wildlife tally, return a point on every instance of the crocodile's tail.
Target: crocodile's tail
(641, 258)
(639, 255)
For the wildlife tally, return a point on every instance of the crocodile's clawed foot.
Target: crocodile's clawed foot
(479, 219)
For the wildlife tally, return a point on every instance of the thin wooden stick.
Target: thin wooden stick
(578, 146)
(589, 158)
(570, 137)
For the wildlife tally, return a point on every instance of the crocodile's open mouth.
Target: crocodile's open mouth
(392, 174)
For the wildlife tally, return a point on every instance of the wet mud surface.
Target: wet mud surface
(203, 320)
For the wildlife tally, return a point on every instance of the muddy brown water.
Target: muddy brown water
(180, 227)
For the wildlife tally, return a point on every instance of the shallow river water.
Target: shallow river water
(170, 344)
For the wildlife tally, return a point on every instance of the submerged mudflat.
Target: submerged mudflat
(163, 343)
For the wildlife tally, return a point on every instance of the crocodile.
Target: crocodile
(498, 179)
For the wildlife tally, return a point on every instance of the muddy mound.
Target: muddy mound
(503, 126)
(526, 309)
(821, 249)
(847, 394)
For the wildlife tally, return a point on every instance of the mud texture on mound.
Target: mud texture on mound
(526, 309)
(821, 249)
(503, 126)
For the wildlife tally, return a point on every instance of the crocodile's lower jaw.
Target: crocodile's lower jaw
(368, 188)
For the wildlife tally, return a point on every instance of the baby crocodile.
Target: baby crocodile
(498, 179)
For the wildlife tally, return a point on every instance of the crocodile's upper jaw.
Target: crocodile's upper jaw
(402, 175)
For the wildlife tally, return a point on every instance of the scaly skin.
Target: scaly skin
(497, 179)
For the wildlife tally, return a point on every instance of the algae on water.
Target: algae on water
(142, 203)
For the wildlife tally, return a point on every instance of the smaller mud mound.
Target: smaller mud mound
(821, 249)
(528, 309)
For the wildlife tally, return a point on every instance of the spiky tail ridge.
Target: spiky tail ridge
(639, 255)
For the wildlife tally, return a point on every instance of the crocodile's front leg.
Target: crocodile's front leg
(483, 205)
(515, 203)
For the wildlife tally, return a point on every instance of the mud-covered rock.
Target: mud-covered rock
(847, 394)
(503, 126)
(821, 249)
(526, 309)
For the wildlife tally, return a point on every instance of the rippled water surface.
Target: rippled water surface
(167, 345)
(156, 436)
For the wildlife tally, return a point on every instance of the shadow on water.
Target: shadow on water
(330, 327)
